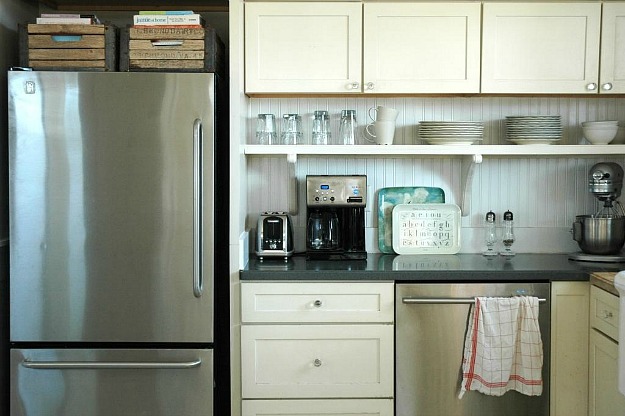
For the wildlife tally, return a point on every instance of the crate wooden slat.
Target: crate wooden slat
(171, 49)
(68, 47)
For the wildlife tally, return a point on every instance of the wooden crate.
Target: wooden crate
(171, 49)
(68, 47)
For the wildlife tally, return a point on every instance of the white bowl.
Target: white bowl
(600, 135)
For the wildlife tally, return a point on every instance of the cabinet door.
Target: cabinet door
(569, 348)
(540, 48)
(612, 52)
(311, 361)
(330, 407)
(421, 48)
(605, 399)
(303, 47)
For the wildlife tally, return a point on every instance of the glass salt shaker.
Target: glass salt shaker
(508, 234)
(490, 234)
(321, 128)
(347, 127)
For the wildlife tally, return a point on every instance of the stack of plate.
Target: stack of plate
(533, 129)
(451, 132)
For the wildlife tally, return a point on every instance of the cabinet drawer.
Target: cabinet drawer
(370, 407)
(604, 312)
(317, 302)
(310, 361)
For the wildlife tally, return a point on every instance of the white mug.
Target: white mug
(380, 113)
(383, 131)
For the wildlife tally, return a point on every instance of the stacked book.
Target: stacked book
(168, 18)
(67, 19)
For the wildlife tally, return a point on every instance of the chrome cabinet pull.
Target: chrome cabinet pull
(369, 85)
(353, 86)
(410, 300)
(591, 87)
(607, 86)
(607, 314)
(318, 303)
(121, 365)
(317, 362)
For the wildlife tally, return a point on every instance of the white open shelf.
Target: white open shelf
(435, 150)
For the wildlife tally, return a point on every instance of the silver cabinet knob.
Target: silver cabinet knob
(369, 86)
(353, 86)
(591, 87)
(317, 362)
(318, 303)
(607, 86)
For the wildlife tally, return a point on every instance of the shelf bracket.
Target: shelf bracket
(468, 168)
(291, 158)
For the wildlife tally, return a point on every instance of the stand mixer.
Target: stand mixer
(601, 235)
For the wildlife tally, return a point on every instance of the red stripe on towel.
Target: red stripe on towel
(476, 319)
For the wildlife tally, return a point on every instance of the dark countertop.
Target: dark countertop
(426, 268)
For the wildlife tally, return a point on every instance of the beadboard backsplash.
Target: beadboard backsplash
(544, 193)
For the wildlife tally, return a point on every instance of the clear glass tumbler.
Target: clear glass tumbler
(266, 129)
(321, 128)
(291, 129)
(347, 127)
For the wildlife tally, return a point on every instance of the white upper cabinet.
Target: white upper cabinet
(303, 47)
(612, 79)
(421, 48)
(541, 47)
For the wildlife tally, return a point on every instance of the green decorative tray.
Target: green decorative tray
(389, 197)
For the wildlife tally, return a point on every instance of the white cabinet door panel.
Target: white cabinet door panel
(333, 407)
(541, 48)
(612, 51)
(421, 47)
(310, 361)
(302, 47)
(605, 399)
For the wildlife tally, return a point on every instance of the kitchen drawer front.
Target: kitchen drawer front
(311, 361)
(317, 302)
(333, 407)
(604, 312)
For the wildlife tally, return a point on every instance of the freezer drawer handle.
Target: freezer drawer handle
(122, 365)
(447, 300)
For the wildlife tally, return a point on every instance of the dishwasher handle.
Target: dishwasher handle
(445, 301)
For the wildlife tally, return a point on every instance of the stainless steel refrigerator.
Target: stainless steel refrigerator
(116, 239)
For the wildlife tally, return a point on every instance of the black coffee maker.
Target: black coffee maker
(335, 211)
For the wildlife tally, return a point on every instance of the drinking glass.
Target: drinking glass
(321, 128)
(347, 127)
(266, 129)
(291, 129)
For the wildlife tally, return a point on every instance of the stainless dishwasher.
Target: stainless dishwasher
(431, 322)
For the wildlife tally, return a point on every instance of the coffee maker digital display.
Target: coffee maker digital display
(335, 212)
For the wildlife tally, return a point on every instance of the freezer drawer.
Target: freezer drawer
(105, 382)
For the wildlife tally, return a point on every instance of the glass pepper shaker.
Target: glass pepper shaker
(508, 234)
(490, 234)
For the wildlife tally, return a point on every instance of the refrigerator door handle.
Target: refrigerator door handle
(94, 365)
(198, 150)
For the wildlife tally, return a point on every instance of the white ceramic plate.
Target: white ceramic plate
(533, 141)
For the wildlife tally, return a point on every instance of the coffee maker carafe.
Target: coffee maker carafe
(335, 211)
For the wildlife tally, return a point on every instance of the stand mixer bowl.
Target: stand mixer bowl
(601, 236)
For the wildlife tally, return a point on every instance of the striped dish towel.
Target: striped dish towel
(503, 349)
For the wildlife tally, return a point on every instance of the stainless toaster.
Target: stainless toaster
(274, 235)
